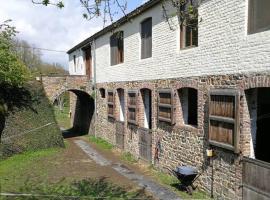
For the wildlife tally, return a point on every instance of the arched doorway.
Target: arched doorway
(80, 113)
(258, 101)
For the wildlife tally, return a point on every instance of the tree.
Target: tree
(12, 70)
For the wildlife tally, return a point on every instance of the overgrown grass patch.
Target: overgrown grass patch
(101, 142)
(16, 170)
(127, 156)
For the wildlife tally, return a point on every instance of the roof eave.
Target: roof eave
(114, 25)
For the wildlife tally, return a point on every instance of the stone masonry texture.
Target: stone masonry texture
(184, 144)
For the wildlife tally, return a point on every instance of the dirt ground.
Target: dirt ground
(74, 164)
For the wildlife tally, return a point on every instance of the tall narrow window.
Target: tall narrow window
(189, 26)
(88, 62)
(258, 16)
(188, 98)
(121, 107)
(165, 106)
(110, 102)
(74, 63)
(117, 48)
(147, 108)
(146, 38)
(132, 107)
(223, 119)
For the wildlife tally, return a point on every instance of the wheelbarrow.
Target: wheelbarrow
(187, 176)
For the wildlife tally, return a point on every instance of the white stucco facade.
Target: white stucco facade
(224, 46)
(77, 68)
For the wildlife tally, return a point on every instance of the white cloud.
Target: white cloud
(50, 27)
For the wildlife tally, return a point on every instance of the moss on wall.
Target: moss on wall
(30, 122)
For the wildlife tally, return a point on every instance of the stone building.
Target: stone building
(168, 93)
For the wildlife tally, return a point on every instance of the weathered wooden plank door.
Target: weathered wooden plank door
(256, 179)
(145, 144)
(120, 134)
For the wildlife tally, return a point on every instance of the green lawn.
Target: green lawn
(18, 170)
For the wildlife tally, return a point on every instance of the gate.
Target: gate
(120, 134)
(145, 144)
(256, 179)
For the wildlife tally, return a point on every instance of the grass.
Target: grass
(126, 156)
(172, 182)
(16, 170)
(27, 173)
(62, 117)
(101, 142)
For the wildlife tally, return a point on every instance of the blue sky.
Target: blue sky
(50, 27)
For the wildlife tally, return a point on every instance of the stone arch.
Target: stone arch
(255, 82)
(255, 116)
(82, 112)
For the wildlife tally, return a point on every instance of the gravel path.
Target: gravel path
(155, 189)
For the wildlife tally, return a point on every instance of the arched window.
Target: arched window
(102, 92)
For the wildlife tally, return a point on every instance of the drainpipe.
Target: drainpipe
(95, 87)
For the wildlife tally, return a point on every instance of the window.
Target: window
(102, 92)
(146, 38)
(111, 104)
(223, 118)
(117, 48)
(189, 98)
(74, 62)
(88, 62)
(258, 16)
(132, 107)
(165, 106)
(189, 29)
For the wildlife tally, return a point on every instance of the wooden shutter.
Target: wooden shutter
(113, 44)
(146, 38)
(110, 103)
(223, 119)
(165, 106)
(132, 106)
(88, 62)
(120, 47)
(258, 15)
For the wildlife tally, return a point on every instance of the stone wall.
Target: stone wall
(185, 144)
(56, 85)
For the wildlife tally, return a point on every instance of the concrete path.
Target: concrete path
(155, 189)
